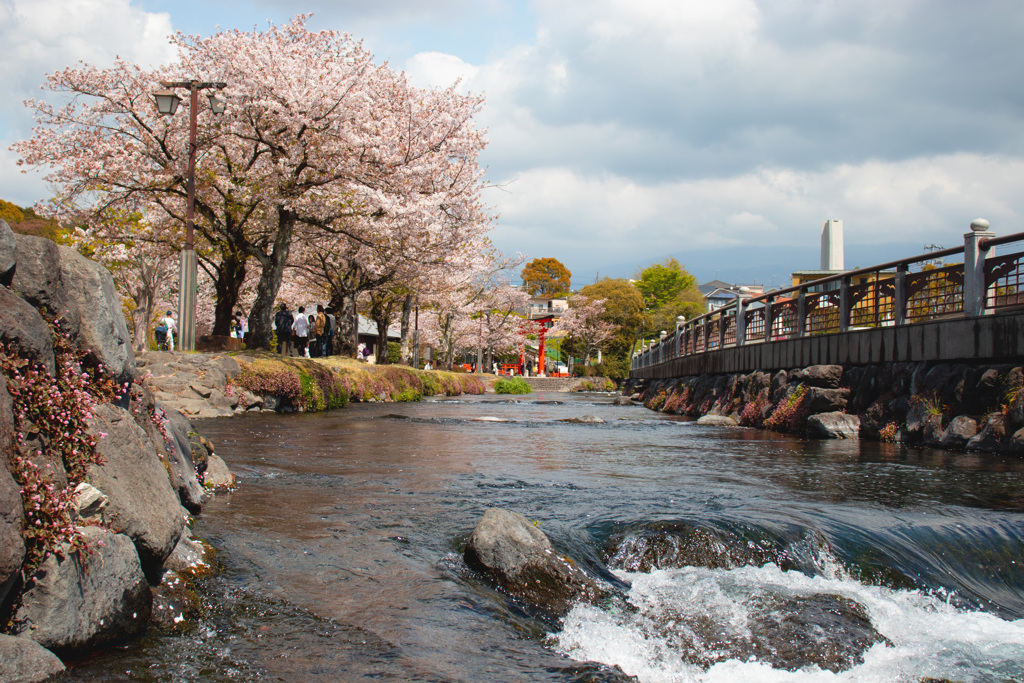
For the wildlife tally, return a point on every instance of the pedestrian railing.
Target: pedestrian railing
(905, 292)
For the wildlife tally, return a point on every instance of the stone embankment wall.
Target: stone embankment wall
(97, 479)
(943, 405)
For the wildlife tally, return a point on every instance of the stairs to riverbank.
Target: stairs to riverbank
(564, 384)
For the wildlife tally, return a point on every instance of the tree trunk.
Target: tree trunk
(346, 340)
(261, 330)
(230, 276)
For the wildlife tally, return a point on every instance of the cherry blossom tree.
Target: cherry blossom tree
(316, 140)
(583, 326)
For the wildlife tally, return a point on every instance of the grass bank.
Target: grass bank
(316, 384)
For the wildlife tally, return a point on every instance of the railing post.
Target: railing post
(801, 312)
(741, 320)
(899, 303)
(768, 315)
(844, 304)
(721, 328)
(974, 268)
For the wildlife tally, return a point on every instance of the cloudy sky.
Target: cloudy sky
(720, 132)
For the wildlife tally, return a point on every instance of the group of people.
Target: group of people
(311, 336)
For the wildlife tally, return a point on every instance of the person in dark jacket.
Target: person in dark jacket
(283, 323)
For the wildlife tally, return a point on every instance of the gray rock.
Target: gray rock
(623, 401)
(931, 431)
(584, 419)
(960, 431)
(8, 254)
(217, 475)
(23, 660)
(182, 470)
(189, 557)
(824, 376)
(25, 331)
(520, 558)
(12, 546)
(81, 294)
(834, 425)
(143, 505)
(37, 278)
(717, 421)
(819, 400)
(86, 600)
(990, 437)
(777, 388)
(94, 317)
(90, 503)
(1015, 444)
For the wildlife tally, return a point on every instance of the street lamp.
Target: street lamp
(167, 103)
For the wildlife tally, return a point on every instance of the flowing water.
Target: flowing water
(340, 552)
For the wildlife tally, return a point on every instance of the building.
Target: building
(717, 293)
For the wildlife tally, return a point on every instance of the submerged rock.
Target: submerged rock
(519, 557)
(584, 419)
(489, 418)
(623, 401)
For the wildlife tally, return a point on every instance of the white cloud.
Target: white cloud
(438, 70)
(42, 36)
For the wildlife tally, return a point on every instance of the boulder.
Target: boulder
(717, 421)
(1015, 444)
(777, 388)
(182, 470)
(24, 331)
(12, 546)
(521, 560)
(960, 430)
(931, 431)
(819, 400)
(834, 425)
(142, 504)
(86, 600)
(23, 660)
(623, 401)
(190, 556)
(81, 294)
(218, 476)
(990, 437)
(584, 419)
(824, 376)
(37, 277)
(8, 254)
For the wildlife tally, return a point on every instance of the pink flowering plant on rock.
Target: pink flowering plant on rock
(53, 414)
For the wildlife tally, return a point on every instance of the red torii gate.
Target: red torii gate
(539, 327)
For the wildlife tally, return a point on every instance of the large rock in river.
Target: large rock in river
(834, 425)
(520, 558)
(82, 295)
(88, 599)
(142, 503)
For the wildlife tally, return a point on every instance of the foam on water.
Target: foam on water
(929, 637)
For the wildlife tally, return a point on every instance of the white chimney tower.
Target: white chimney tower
(832, 245)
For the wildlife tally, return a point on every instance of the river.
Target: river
(340, 549)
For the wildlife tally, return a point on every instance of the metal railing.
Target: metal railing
(904, 292)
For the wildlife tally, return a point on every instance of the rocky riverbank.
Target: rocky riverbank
(952, 406)
(100, 478)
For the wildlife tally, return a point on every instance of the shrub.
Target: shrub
(791, 414)
(753, 413)
(887, 434)
(512, 385)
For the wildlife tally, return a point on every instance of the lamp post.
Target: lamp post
(167, 103)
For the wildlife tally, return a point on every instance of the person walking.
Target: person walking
(320, 331)
(283, 323)
(172, 330)
(300, 328)
(332, 328)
